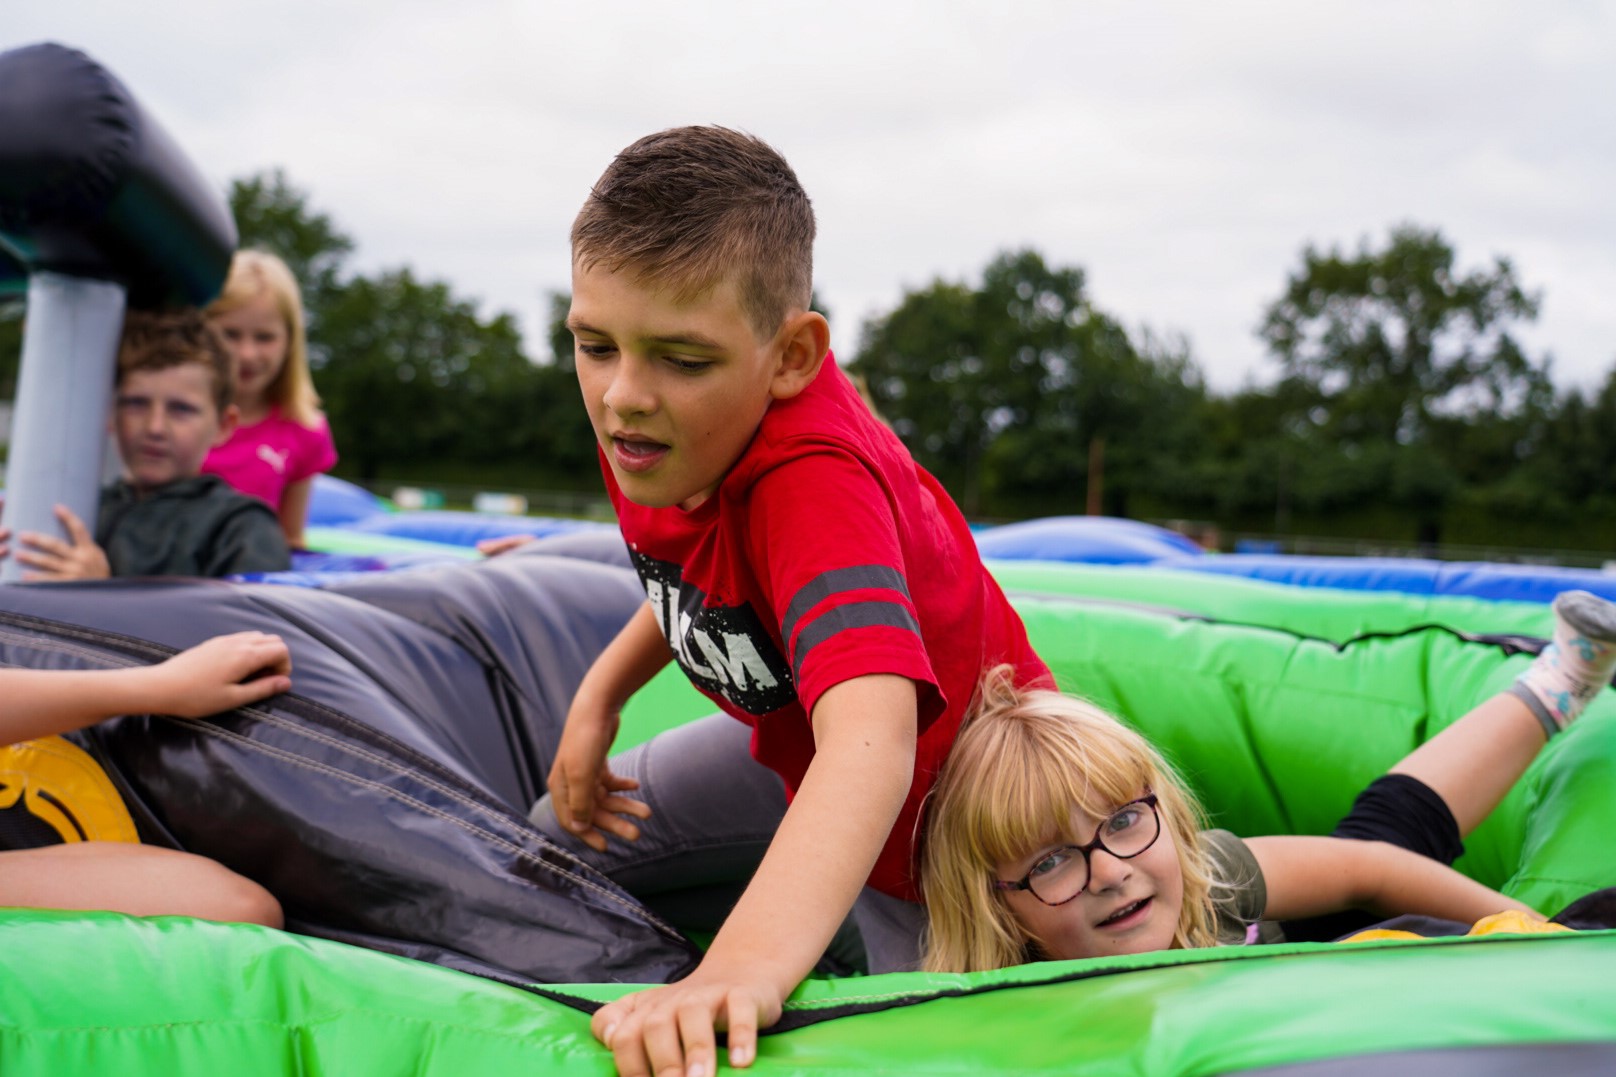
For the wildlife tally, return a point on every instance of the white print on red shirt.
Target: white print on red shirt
(724, 650)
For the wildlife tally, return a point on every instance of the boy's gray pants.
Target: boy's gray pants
(714, 810)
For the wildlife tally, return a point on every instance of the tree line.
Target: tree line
(1400, 404)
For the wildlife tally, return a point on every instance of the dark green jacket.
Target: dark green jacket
(193, 527)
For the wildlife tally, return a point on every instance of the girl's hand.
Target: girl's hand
(221, 674)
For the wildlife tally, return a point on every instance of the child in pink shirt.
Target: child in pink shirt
(282, 441)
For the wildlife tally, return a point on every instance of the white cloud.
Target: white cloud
(1181, 152)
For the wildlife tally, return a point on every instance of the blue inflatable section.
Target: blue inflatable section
(352, 511)
(311, 568)
(466, 528)
(1105, 540)
(335, 503)
(1095, 540)
(1471, 579)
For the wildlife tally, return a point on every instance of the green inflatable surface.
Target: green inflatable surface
(1278, 719)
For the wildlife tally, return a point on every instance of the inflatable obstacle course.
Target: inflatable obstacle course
(434, 931)
(175, 996)
(1276, 728)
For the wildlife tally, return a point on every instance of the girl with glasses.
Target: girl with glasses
(1132, 867)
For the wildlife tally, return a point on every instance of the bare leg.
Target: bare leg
(141, 880)
(1474, 762)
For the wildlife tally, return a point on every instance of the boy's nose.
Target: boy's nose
(628, 392)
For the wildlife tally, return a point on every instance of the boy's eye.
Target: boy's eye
(594, 351)
(688, 366)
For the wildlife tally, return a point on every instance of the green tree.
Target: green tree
(271, 214)
(1414, 383)
(561, 349)
(1006, 390)
(411, 373)
(1563, 462)
(13, 290)
(10, 346)
(557, 424)
(1390, 338)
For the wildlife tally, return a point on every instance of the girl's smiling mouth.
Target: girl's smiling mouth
(1130, 915)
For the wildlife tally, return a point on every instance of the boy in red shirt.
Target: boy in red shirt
(805, 573)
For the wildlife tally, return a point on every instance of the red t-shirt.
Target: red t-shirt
(826, 554)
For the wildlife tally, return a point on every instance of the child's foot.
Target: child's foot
(1576, 665)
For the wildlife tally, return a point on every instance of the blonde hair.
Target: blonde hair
(254, 273)
(1024, 762)
(689, 207)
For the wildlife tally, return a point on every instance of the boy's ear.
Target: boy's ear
(229, 418)
(804, 340)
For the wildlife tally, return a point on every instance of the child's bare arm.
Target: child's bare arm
(493, 547)
(294, 511)
(580, 784)
(203, 680)
(864, 735)
(1311, 876)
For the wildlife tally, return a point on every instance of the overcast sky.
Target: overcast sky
(1182, 153)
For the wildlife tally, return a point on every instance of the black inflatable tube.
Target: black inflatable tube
(92, 186)
(384, 801)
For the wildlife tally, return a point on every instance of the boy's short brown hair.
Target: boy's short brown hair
(157, 340)
(686, 207)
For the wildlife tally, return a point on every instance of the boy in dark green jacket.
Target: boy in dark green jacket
(163, 518)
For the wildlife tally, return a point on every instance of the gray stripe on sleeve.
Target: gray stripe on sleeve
(822, 586)
(853, 615)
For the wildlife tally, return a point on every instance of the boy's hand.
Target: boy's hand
(53, 559)
(583, 790)
(221, 674)
(669, 1031)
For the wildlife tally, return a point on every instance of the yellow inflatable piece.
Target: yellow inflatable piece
(62, 786)
(1508, 922)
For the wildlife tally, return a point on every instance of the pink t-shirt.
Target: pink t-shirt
(263, 459)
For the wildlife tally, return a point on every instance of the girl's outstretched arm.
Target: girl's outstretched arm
(1312, 876)
(217, 675)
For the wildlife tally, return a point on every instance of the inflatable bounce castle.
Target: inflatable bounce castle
(432, 930)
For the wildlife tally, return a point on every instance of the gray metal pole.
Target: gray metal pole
(64, 396)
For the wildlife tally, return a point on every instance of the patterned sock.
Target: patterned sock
(1576, 666)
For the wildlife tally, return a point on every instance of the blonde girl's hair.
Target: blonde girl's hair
(254, 273)
(1024, 762)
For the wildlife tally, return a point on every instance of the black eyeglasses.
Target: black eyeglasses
(1062, 874)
